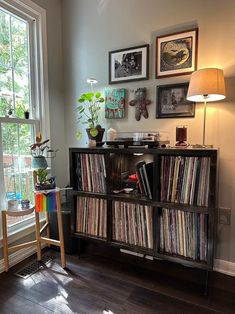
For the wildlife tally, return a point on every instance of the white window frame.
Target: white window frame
(36, 17)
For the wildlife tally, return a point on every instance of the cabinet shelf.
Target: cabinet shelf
(134, 248)
(87, 236)
(183, 260)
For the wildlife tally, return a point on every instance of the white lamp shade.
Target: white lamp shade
(206, 84)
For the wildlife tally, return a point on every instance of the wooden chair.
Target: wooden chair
(39, 230)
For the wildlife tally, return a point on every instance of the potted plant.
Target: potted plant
(89, 108)
(40, 151)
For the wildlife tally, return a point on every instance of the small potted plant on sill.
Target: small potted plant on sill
(89, 108)
(22, 111)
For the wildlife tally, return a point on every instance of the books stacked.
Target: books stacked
(132, 224)
(184, 233)
(91, 173)
(185, 180)
(145, 178)
(92, 216)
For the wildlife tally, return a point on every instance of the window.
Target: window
(21, 89)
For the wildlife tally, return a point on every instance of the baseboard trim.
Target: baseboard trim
(18, 257)
(224, 267)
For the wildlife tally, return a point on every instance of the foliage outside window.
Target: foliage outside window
(15, 99)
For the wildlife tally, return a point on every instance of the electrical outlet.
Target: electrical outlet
(224, 216)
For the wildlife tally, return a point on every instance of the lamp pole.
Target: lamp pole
(204, 122)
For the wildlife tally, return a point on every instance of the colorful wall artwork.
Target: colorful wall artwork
(115, 103)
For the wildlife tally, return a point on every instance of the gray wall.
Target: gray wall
(56, 93)
(92, 28)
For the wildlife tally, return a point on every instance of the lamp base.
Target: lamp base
(181, 144)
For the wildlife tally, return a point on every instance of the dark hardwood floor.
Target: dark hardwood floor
(94, 284)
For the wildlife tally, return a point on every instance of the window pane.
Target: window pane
(6, 97)
(14, 65)
(21, 87)
(5, 56)
(17, 162)
(19, 36)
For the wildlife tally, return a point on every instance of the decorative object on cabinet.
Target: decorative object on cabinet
(115, 102)
(206, 85)
(148, 138)
(129, 64)
(172, 102)
(181, 135)
(168, 201)
(176, 54)
(140, 102)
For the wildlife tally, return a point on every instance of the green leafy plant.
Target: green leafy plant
(41, 175)
(89, 107)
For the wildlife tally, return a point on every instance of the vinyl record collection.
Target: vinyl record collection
(91, 173)
(92, 216)
(132, 224)
(184, 233)
(185, 180)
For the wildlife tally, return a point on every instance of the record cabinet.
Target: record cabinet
(169, 211)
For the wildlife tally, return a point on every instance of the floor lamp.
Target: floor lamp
(206, 85)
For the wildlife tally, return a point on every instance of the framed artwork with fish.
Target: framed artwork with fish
(176, 54)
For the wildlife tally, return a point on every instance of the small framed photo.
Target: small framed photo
(172, 102)
(130, 64)
(176, 54)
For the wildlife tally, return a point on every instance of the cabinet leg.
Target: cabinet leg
(38, 237)
(61, 232)
(5, 243)
(206, 283)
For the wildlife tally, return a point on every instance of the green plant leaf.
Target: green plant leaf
(81, 99)
(79, 135)
(94, 132)
(97, 95)
(101, 99)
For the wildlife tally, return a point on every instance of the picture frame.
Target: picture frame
(176, 54)
(129, 64)
(172, 103)
(115, 103)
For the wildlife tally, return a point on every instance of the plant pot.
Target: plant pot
(98, 137)
(39, 162)
(26, 115)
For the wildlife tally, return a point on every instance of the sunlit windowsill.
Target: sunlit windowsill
(21, 229)
(18, 120)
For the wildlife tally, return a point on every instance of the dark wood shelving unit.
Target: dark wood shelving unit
(121, 160)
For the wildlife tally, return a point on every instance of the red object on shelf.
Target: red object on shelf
(133, 177)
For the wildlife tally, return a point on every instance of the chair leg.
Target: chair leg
(38, 236)
(5, 243)
(48, 227)
(61, 232)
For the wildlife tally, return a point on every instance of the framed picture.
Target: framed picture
(176, 54)
(115, 99)
(172, 102)
(131, 64)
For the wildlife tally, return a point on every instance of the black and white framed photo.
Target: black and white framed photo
(176, 54)
(130, 64)
(172, 102)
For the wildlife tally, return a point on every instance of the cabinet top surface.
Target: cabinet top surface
(144, 150)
